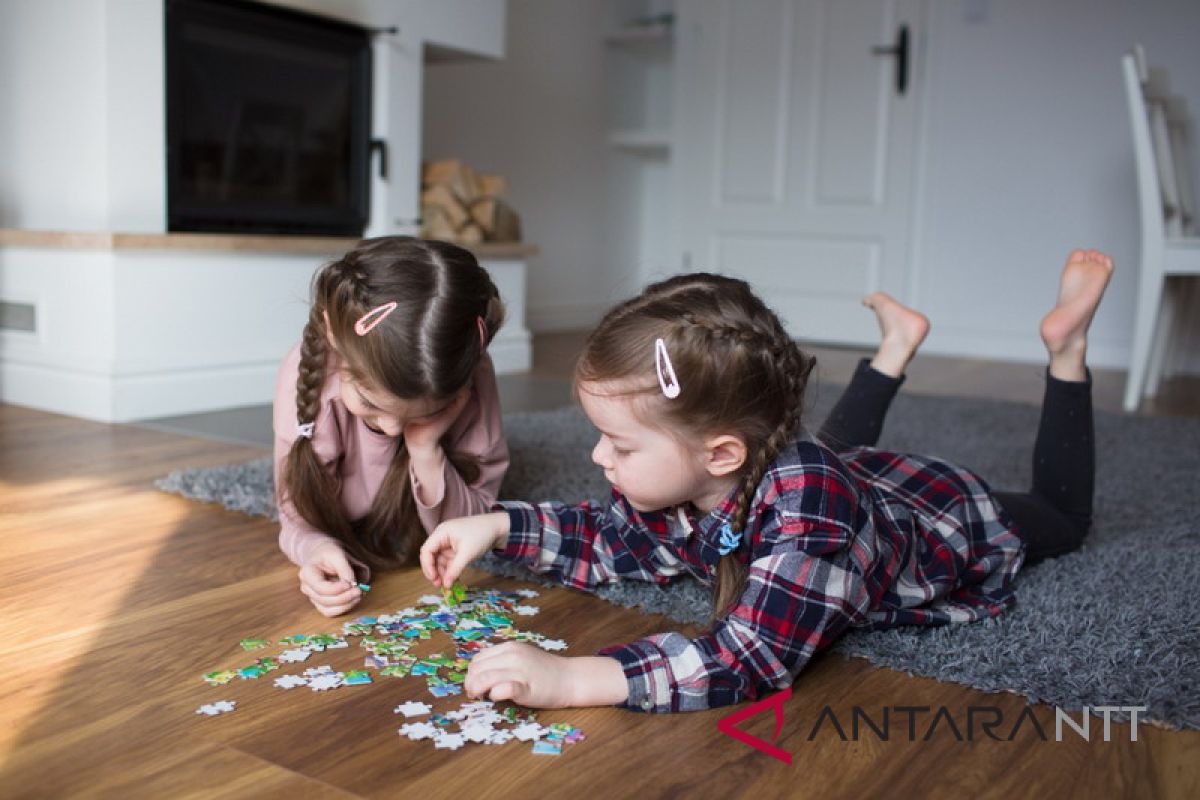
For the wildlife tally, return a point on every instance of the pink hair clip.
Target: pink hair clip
(373, 317)
(666, 370)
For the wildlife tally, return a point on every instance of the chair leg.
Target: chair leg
(1165, 337)
(1144, 322)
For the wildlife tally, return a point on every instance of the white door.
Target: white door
(794, 153)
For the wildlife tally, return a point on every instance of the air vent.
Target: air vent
(18, 317)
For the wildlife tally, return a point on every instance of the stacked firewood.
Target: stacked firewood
(461, 205)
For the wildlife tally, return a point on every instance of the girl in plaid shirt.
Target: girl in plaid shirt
(696, 390)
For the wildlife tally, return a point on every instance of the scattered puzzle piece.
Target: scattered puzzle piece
(219, 707)
(418, 730)
(470, 619)
(413, 708)
(323, 683)
(290, 681)
(449, 741)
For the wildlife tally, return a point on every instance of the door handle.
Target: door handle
(899, 49)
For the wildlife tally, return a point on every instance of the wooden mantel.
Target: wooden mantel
(227, 242)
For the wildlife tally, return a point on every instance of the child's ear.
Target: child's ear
(725, 454)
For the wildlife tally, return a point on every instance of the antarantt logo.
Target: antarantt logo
(922, 723)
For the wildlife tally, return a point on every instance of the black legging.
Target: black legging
(1054, 516)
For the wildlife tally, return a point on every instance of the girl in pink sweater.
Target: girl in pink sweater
(387, 418)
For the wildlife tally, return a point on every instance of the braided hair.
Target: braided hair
(427, 348)
(739, 371)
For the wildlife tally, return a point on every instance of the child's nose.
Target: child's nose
(599, 454)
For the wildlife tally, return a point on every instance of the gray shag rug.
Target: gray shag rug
(1114, 623)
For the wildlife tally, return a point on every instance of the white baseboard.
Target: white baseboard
(1005, 346)
(113, 398)
(59, 391)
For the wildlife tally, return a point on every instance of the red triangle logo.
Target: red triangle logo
(726, 725)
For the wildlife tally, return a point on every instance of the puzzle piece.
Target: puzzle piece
(296, 655)
(290, 681)
(322, 683)
(413, 708)
(543, 748)
(418, 730)
(219, 707)
(356, 677)
(471, 620)
(220, 677)
(449, 741)
(528, 731)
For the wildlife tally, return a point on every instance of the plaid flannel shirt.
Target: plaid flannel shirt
(865, 539)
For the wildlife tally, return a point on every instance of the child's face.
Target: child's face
(651, 468)
(383, 412)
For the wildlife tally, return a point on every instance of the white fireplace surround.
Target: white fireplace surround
(133, 323)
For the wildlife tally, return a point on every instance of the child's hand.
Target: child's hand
(328, 580)
(456, 543)
(422, 436)
(522, 673)
(526, 674)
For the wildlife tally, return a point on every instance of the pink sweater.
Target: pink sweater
(343, 442)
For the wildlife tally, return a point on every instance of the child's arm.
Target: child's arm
(800, 596)
(440, 491)
(581, 546)
(586, 545)
(805, 587)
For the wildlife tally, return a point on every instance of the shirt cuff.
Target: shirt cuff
(524, 532)
(648, 674)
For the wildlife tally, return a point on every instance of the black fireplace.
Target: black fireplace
(268, 120)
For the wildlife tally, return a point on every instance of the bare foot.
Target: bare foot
(902, 328)
(1064, 329)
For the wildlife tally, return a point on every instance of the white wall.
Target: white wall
(538, 117)
(53, 100)
(1026, 154)
(128, 334)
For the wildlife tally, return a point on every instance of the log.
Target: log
(492, 186)
(441, 196)
(458, 177)
(469, 234)
(435, 224)
(496, 219)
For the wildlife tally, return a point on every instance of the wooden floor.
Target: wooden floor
(117, 598)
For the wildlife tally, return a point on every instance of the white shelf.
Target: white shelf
(645, 142)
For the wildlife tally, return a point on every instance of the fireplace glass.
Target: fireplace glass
(268, 120)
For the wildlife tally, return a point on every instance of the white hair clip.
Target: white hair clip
(666, 371)
(305, 429)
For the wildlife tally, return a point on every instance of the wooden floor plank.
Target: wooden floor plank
(119, 597)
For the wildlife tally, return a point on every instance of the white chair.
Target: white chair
(1168, 253)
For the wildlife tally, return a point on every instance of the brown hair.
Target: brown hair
(739, 371)
(428, 347)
